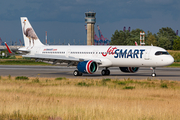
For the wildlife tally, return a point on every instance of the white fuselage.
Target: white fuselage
(109, 56)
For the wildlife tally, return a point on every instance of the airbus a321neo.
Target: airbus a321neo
(89, 58)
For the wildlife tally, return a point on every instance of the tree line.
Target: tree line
(165, 38)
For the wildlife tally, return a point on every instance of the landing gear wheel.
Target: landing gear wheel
(77, 73)
(80, 73)
(153, 74)
(105, 72)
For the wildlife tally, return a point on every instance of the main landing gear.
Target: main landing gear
(77, 73)
(105, 72)
(153, 74)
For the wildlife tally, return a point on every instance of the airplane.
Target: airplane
(88, 59)
(9, 50)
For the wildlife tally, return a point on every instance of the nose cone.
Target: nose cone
(169, 60)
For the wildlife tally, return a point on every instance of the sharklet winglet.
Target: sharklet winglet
(9, 50)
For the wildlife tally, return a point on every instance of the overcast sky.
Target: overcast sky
(64, 19)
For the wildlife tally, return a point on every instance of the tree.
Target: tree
(125, 37)
(151, 39)
(169, 34)
(135, 36)
(165, 43)
(176, 45)
(164, 38)
(119, 37)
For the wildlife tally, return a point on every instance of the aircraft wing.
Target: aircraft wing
(60, 59)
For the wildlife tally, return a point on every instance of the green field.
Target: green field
(88, 99)
(175, 64)
(20, 62)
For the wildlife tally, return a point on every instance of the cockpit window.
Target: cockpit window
(161, 53)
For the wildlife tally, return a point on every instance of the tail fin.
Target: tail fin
(29, 35)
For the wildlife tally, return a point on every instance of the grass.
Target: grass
(85, 99)
(61, 78)
(20, 62)
(106, 80)
(164, 85)
(21, 78)
(36, 80)
(175, 64)
(129, 87)
(82, 84)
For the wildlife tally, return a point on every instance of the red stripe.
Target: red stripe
(130, 69)
(88, 67)
(8, 48)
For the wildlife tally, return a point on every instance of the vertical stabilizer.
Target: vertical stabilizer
(29, 35)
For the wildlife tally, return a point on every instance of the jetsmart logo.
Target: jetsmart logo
(120, 53)
(110, 51)
(51, 49)
(124, 53)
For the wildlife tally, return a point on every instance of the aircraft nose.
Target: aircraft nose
(170, 60)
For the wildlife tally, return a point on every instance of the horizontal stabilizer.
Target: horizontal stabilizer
(24, 49)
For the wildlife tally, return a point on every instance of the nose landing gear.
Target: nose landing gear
(153, 74)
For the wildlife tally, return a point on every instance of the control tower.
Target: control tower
(90, 20)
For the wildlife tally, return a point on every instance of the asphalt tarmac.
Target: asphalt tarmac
(163, 73)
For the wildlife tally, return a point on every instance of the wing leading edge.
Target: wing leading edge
(60, 59)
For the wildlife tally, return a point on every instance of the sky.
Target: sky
(64, 20)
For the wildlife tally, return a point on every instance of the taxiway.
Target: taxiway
(163, 73)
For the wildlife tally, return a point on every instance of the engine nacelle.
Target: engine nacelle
(129, 69)
(87, 66)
